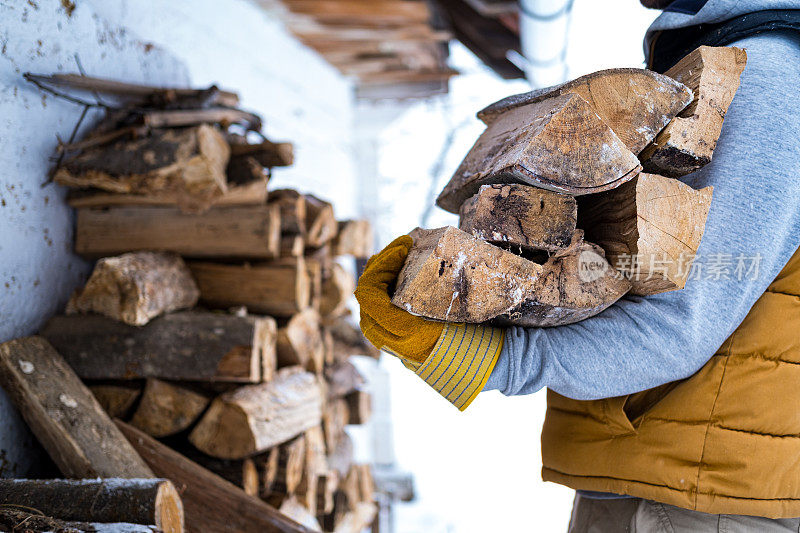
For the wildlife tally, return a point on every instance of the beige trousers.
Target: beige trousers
(634, 515)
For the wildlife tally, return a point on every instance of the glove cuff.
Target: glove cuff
(461, 361)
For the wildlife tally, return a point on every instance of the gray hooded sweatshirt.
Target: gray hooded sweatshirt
(753, 229)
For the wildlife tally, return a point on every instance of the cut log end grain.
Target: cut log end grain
(520, 216)
(321, 225)
(576, 283)
(558, 143)
(253, 418)
(649, 228)
(354, 237)
(292, 206)
(117, 399)
(300, 342)
(688, 142)
(452, 276)
(635, 103)
(167, 408)
(336, 290)
(136, 287)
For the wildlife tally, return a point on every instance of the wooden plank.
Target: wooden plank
(558, 144)
(635, 103)
(688, 142)
(244, 232)
(135, 501)
(520, 217)
(62, 413)
(210, 503)
(452, 276)
(279, 288)
(168, 408)
(649, 228)
(185, 346)
(135, 288)
(254, 418)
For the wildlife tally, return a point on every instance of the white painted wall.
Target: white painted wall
(231, 42)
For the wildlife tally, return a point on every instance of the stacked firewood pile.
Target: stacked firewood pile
(213, 331)
(569, 199)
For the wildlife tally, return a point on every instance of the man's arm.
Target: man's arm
(640, 343)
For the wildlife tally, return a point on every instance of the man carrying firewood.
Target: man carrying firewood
(677, 411)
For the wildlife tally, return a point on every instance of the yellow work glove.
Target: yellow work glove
(454, 359)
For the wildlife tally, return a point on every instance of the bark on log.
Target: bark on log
(116, 399)
(359, 407)
(688, 142)
(168, 408)
(635, 103)
(452, 276)
(300, 342)
(279, 288)
(185, 346)
(354, 237)
(244, 232)
(558, 144)
(135, 288)
(649, 228)
(576, 283)
(336, 291)
(521, 217)
(210, 503)
(189, 162)
(254, 418)
(15, 519)
(135, 501)
(62, 413)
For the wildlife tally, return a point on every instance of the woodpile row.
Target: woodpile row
(569, 198)
(202, 377)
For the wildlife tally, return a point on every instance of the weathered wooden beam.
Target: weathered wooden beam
(559, 143)
(649, 228)
(635, 103)
(688, 142)
(185, 346)
(136, 501)
(245, 232)
(576, 283)
(254, 418)
(168, 408)
(137, 287)
(452, 276)
(520, 217)
(62, 413)
(279, 288)
(210, 503)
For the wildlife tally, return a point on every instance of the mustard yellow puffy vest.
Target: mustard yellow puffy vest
(724, 441)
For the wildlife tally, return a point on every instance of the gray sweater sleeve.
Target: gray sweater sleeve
(754, 224)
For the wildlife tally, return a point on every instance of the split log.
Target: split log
(576, 283)
(254, 418)
(292, 245)
(452, 276)
(135, 501)
(300, 342)
(267, 153)
(314, 268)
(62, 413)
(336, 291)
(334, 419)
(342, 378)
(291, 463)
(521, 217)
(168, 408)
(299, 513)
(354, 237)
(649, 228)
(306, 493)
(16, 519)
(292, 206)
(241, 472)
(328, 345)
(246, 232)
(359, 407)
(223, 116)
(116, 399)
(268, 464)
(210, 503)
(279, 288)
(635, 103)
(688, 142)
(349, 340)
(366, 482)
(558, 144)
(341, 506)
(351, 486)
(340, 456)
(360, 517)
(188, 161)
(321, 225)
(326, 487)
(185, 346)
(315, 463)
(137, 287)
